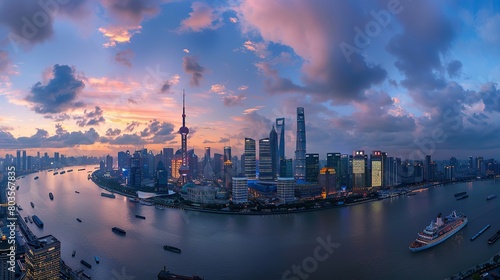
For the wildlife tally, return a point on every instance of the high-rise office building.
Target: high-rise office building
(228, 168)
(286, 168)
(25, 162)
(343, 176)
(265, 161)
(273, 144)
(18, 160)
(43, 258)
(333, 161)
(359, 171)
(427, 167)
(5, 255)
(109, 163)
(206, 157)
(218, 165)
(327, 180)
(479, 165)
(312, 168)
(184, 131)
(135, 174)
(239, 190)
(377, 169)
(56, 157)
(250, 159)
(280, 129)
(168, 154)
(286, 190)
(161, 176)
(300, 151)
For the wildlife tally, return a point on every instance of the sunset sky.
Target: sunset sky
(100, 76)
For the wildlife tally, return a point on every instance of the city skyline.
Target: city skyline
(370, 76)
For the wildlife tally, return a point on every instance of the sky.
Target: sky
(92, 77)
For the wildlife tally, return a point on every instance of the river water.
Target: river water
(367, 241)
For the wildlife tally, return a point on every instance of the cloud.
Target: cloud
(124, 57)
(233, 20)
(243, 87)
(131, 11)
(202, 17)
(191, 66)
(167, 85)
(419, 48)
(31, 22)
(158, 132)
(185, 50)
(58, 117)
(6, 67)
(252, 110)
(316, 37)
(113, 132)
(489, 31)
(41, 139)
(260, 49)
(218, 88)
(208, 142)
(454, 68)
(132, 126)
(233, 100)
(127, 139)
(490, 95)
(90, 117)
(119, 34)
(59, 94)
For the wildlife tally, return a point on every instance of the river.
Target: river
(366, 241)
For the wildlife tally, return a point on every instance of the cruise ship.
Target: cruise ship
(439, 231)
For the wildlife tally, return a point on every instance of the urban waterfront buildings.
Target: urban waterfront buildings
(312, 168)
(285, 189)
(280, 130)
(240, 190)
(43, 258)
(265, 160)
(359, 171)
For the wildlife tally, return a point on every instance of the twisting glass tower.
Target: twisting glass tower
(184, 131)
(300, 151)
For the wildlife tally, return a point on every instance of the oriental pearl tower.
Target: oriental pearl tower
(184, 131)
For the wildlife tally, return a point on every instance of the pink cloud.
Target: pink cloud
(202, 17)
(119, 34)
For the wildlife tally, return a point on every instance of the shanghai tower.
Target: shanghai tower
(184, 131)
(300, 150)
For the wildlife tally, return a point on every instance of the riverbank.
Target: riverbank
(490, 267)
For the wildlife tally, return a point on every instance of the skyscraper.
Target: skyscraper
(184, 131)
(25, 162)
(359, 171)
(228, 168)
(43, 258)
(280, 127)
(427, 168)
(273, 143)
(377, 169)
(300, 151)
(109, 163)
(239, 190)
(250, 164)
(207, 157)
(265, 161)
(312, 168)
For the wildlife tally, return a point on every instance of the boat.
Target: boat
(62, 172)
(172, 249)
(55, 173)
(78, 219)
(148, 203)
(71, 170)
(26, 219)
(140, 217)
(19, 208)
(50, 170)
(439, 231)
(86, 264)
(86, 275)
(118, 230)
(167, 275)
(480, 232)
(32, 205)
(81, 169)
(51, 196)
(17, 188)
(494, 238)
(36, 178)
(77, 192)
(88, 177)
(37, 221)
(74, 253)
(133, 199)
(29, 219)
(110, 195)
(490, 197)
(463, 197)
(96, 258)
(159, 207)
(460, 194)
